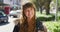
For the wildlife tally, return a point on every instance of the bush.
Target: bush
(53, 26)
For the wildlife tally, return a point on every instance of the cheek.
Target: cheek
(32, 13)
(26, 13)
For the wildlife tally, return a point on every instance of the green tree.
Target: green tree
(41, 3)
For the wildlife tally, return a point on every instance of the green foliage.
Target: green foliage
(59, 3)
(44, 17)
(53, 26)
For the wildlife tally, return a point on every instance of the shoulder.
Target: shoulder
(16, 21)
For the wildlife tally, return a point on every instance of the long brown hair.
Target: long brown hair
(25, 22)
(28, 5)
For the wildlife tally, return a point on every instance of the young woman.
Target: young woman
(28, 22)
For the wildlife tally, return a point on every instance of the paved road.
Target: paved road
(7, 27)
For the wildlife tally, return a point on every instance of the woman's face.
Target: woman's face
(29, 12)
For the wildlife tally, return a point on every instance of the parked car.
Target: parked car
(15, 13)
(3, 17)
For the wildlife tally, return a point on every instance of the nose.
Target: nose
(28, 13)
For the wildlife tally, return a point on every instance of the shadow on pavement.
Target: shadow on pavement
(4, 23)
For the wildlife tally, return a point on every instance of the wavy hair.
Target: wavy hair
(25, 25)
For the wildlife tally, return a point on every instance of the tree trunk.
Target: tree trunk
(47, 7)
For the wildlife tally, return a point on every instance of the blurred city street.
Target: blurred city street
(11, 7)
(47, 14)
(7, 27)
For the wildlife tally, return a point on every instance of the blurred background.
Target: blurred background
(47, 12)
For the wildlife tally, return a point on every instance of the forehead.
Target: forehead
(29, 8)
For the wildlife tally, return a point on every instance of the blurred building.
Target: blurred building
(13, 2)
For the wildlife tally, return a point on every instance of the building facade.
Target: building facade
(13, 2)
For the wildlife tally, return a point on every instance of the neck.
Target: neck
(28, 19)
